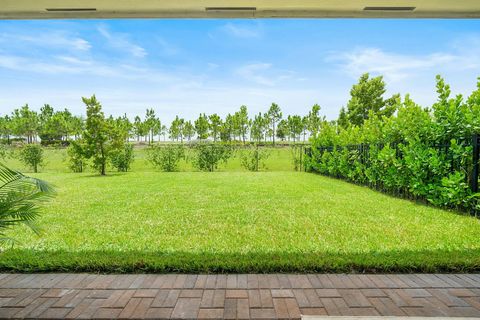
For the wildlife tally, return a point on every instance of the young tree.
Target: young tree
(215, 126)
(32, 155)
(209, 155)
(201, 126)
(166, 157)
(96, 135)
(274, 115)
(282, 130)
(122, 158)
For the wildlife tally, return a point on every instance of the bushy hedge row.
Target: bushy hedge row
(418, 153)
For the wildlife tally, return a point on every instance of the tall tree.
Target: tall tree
(176, 128)
(25, 122)
(295, 126)
(314, 120)
(139, 128)
(202, 126)
(151, 124)
(243, 122)
(227, 128)
(100, 137)
(366, 96)
(215, 125)
(188, 130)
(274, 115)
(257, 130)
(6, 128)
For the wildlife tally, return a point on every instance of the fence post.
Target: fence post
(474, 178)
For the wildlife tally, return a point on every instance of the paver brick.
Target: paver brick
(186, 308)
(210, 313)
(233, 296)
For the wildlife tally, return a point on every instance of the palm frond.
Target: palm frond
(20, 198)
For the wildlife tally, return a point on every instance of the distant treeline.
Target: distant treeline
(54, 126)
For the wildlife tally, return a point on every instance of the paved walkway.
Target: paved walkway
(265, 296)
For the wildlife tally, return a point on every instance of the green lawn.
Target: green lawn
(236, 221)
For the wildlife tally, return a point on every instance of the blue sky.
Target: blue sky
(189, 66)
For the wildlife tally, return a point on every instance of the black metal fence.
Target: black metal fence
(363, 155)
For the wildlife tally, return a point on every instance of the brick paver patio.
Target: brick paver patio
(243, 296)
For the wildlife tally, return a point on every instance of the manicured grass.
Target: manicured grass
(237, 222)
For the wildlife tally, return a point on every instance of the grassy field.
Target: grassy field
(235, 221)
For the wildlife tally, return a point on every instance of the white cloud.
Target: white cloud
(399, 67)
(263, 73)
(49, 40)
(121, 41)
(166, 48)
(243, 31)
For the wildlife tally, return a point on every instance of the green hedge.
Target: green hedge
(418, 153)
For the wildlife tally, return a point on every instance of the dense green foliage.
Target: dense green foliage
(122, 158)
(236, 221)
(31, 155)
(20, 200)
(166, 157)
(209, 155)
(420, 153)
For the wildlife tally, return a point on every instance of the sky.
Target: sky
(187, 66)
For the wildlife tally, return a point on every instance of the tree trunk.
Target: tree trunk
(273, 134)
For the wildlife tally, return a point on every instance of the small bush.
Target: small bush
(32, 156)
(166, 157)
(122, 159)
(252, 158)
(76, 158)
(209, 155)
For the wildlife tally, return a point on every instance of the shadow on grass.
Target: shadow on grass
(108, 261)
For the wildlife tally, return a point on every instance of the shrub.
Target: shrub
(166, 157)
(252, 158)
(419, 153)
(32, 156)
(122, 159)
(76, 157)
(209, 155)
